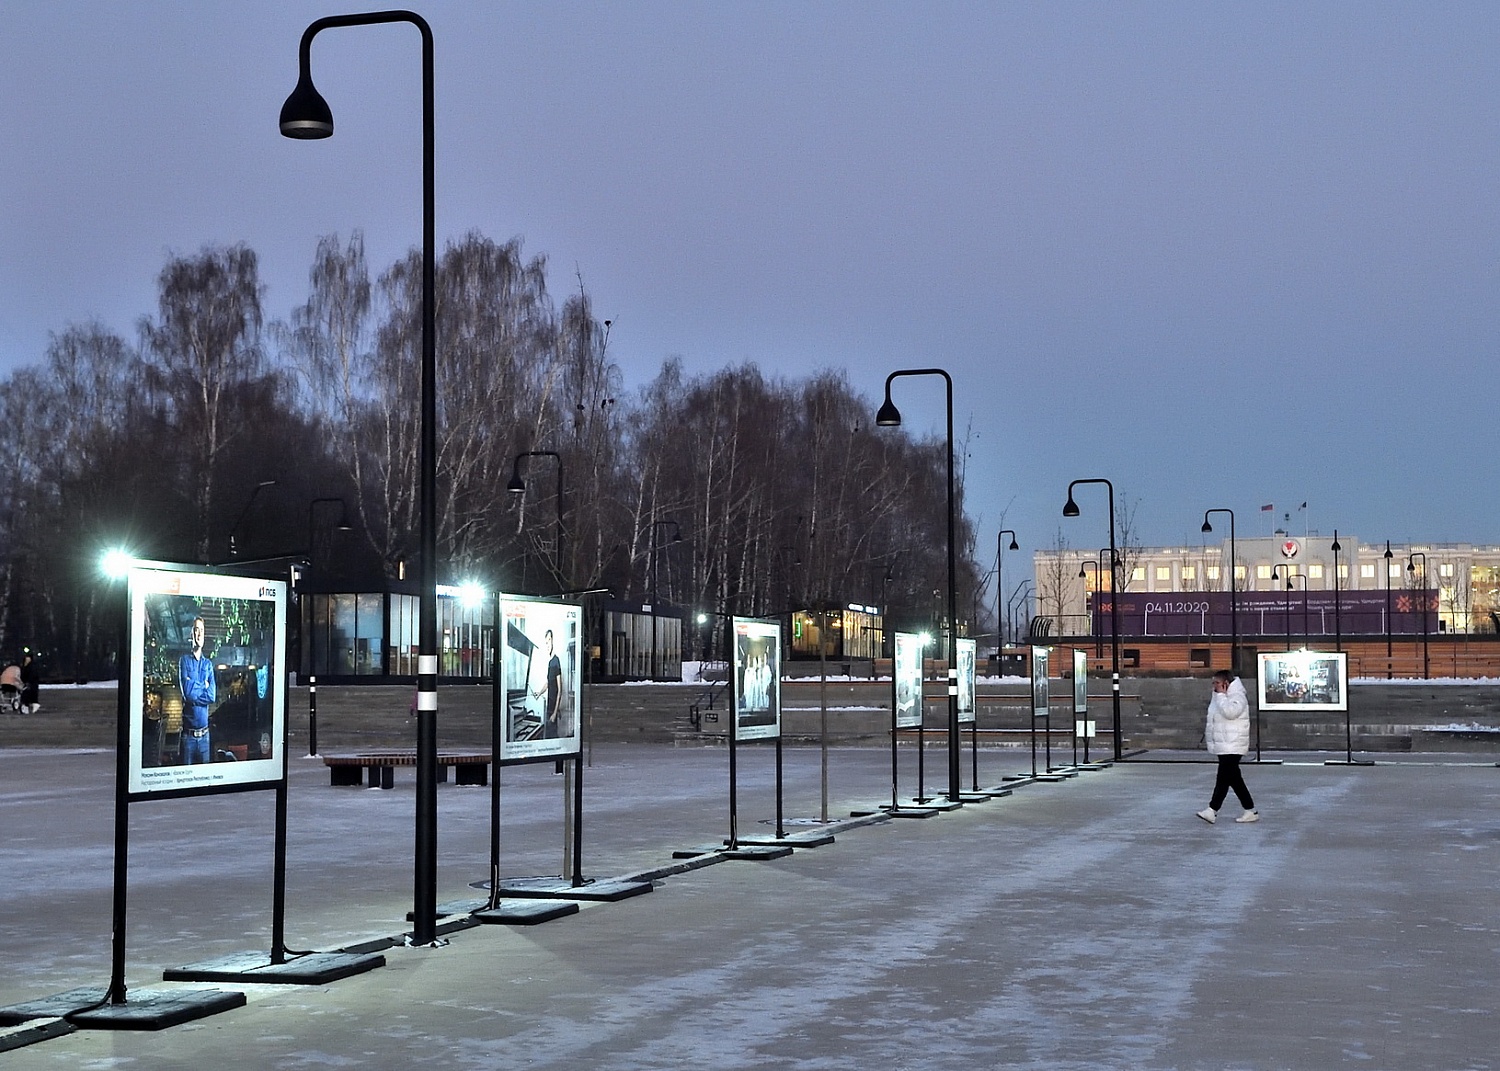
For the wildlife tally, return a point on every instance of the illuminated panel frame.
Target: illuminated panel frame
(246, 738)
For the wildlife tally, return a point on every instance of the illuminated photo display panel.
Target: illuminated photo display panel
(542, 685)
(1304, 680)
(1039, 696)
(1080, 681)
(207, 707)
(906, 680)
(757, 679)
(966, 652)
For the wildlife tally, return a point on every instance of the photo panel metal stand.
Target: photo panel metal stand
(1084, 728)
(1304, 681)
(1041, 709)
(201, 710)
(536, 708)
(967, 651)
(755, 703)
(906, 713)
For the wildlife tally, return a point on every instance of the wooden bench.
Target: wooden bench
(472, 768)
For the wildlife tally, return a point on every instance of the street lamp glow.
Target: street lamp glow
(926, 639)
(115, 563)
(471, 594)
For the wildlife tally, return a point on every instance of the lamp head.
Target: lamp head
(1206, 526)
(1013, 544)
(888, 415)
(1082, 572)
(306, 115)
(1336, 547)
(1071, 509)
(1388, 554)
(516, 485)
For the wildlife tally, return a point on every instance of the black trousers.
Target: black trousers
(1229, 778)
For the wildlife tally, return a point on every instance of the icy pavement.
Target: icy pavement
(1093, 923)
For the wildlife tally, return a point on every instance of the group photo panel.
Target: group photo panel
(757, 679)
(1304, 680)
(906, 679)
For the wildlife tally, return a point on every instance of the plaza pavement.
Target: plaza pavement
(1093, 923)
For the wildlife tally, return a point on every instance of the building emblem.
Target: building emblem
(1289, 548)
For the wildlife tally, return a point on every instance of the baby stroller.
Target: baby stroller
(10, 690)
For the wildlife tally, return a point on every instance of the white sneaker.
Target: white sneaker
(1249, 816)
(1209, 815)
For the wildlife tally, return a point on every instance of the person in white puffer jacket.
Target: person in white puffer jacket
(1227, 735)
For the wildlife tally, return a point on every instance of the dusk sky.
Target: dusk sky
(1225, 255)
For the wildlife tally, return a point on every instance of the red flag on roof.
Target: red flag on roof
(1266, 509)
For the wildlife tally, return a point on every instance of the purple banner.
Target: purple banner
(1268, 613)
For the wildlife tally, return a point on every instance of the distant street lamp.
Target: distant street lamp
(517, 486)
(1083, 574)
(1000, 585)
(1017, 600)
(342, 524)
(1234, 617)
(889, 416)
(655, 554)
(1388, 556)
(1277, 572)
(1070, 509)
(1338, 624)
(1421, 603)
(305, 116)
(1306, 618)
(234, 550)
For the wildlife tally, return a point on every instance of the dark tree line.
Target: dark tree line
(731, 491)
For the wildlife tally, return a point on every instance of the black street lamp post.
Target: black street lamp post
(1338, 624)
(1000, 588)
(1421, 604)
(1277, 572)
(1070, 509)
(888, 417)
(655, 553)
(1017, 600)
(1083, 574)
(306, 116)
(1306, 617)
(234, 549)
(1388, 556)
(312, 563)
(1234, 617)
(517, 486)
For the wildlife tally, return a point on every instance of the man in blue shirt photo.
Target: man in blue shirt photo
(195, 675)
